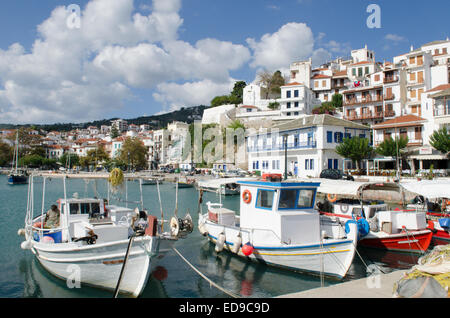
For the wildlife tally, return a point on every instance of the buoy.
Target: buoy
(430, 225)
(247, 249)
(237, 244)
(363, 227)
(247, 196)
(202, 229)
(174, 226)
(26, 245)
(220, 242)
(331, 197)
(48, 240)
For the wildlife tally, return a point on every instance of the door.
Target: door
(330, 163)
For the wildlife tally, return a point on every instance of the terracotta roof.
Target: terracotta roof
(340, 73)
(320, 76)
(292, 84)
(363, 62)
(248, 106)
(439, 88)
(401, 121)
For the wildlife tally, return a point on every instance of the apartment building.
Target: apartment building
(310, 142)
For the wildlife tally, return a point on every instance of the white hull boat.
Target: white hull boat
(95, 244)
(293, 238)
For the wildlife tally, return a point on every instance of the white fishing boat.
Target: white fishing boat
(223, 186)
(278, 225)
(96, 243)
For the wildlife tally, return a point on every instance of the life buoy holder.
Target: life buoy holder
(332, 197)
(247, 196)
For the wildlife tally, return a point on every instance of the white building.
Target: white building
(296, 100)
(311, 143)
(120, 124)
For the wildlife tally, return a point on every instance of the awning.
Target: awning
(428, 157)
(431, 189)
(349, 188)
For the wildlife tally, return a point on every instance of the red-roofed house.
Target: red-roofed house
(409, 126)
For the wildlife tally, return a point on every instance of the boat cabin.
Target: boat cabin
(80, 218)
(285, 210)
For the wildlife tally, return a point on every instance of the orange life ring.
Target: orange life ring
(247, 196)
(331, 197)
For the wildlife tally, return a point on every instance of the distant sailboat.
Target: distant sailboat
(17, 176)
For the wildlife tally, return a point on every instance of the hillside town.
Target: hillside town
(407, 97)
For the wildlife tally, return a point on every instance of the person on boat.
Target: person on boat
(52, 217)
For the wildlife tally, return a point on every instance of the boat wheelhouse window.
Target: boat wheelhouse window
(305, 198)
(287, 199)
(265, 199)
(95, 207)
(84, 208)
(74, 208)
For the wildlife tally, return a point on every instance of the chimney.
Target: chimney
(412, 48)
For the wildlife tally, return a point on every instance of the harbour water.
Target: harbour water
(22, 276)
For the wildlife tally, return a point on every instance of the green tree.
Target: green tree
(6, 154)
(94, 157)
(220, 100)
(336, 100)
(440, 140)
(134, 153)
(114, 132)
(238, 92)
(274, 105)
(392, 148)
(74, 160)
(355, 148)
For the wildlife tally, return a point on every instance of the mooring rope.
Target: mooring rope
(206, 278)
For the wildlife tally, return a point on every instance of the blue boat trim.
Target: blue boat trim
(280, 184)
(286, 247)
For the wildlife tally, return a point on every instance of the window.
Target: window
(412, 77)
(74, 208)
(324, 83)
(305, 198)
(420, 60)
(336, 163)
(377, 78)
(306, 164)
(354, 71)
(338, 137)
(265, 199)
(295, 113)
(288, 105)
(296, 104)
(287, 199)
(330, 163)
(296, 93)
(289, 113)
(329, 136)
(288, 94)
(360, 71)
(311, 164)
(367, 70)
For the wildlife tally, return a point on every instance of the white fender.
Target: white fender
(21, 232)
(174, 226)
(26, 245)
(202, 229)
(236, 244)
(220, 242)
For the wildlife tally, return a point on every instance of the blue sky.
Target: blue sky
(193, 53)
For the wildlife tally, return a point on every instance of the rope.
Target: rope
(206, 278)
(130, 242)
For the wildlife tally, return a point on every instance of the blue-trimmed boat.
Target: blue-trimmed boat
(279, 226)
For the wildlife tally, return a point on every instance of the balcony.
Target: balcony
(367, 100)
(389, 97)
(441, 112)
(390, 79)
(366, 115)
(389, 113)
(279, 147)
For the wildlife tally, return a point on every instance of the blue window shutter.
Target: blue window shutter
(329, 136)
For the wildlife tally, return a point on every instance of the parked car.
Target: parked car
(335, 174)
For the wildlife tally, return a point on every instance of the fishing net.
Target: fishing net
(116, 179)
(429, 278)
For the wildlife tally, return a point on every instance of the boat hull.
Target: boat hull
(330, 259)
(17, 179)
(99, 265)
(412, 241)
